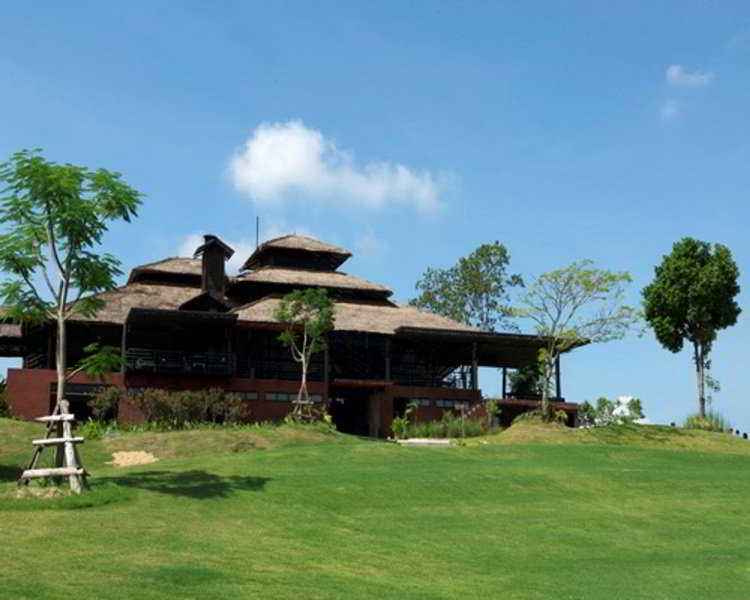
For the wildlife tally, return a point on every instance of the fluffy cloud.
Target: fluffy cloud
(678, 76)
(670, 110)
(283, 158)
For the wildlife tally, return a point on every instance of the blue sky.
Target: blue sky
(411, 133)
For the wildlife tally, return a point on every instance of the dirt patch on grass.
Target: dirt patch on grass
(129, 459)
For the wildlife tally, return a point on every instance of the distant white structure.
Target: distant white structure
(622, 411)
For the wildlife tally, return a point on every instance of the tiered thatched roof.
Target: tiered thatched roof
(168, 266)
(301, 243)
(139, 295)
(384, 317)
(309, 278)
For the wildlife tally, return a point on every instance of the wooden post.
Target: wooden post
(505, 374)
(123, 353)
(70, 456)
(474, 367)
(387, 359)
(557, 378)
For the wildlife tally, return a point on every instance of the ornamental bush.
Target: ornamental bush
(174, 409)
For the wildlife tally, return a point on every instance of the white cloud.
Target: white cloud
(283, 158)
(676, 75)
(370, 246)
(670, 110)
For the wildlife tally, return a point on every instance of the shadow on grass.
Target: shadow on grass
(192, 484)
(10, 472)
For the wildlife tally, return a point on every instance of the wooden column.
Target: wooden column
(505, 374)
(387, 359)
(474, 367)
(557, 378)
(122, 349)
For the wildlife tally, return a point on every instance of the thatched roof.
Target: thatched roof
(511, 350)
(170, 266)
(308, 278)
(138, 295)
(299, 243)
(385, 317)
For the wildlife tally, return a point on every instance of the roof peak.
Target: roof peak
(327, 255)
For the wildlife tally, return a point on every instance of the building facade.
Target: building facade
(182, 323)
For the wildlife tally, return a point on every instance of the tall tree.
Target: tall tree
(691, 298)
(55, 217)
(572, 306)
(307, 316)
(473, 291)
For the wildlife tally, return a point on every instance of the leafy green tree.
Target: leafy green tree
(55, 217)
(473, 291)
(573, 306)
(526, 381)
(307, 316)
(691, 298)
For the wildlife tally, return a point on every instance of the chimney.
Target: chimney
(214, 253)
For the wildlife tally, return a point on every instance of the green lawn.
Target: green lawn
(626, 513)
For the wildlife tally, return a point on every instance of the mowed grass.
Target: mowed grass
(316, 516)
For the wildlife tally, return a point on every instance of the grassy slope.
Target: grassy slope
(577, 518)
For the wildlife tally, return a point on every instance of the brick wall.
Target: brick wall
(29, 395)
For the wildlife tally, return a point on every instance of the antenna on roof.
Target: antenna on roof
(257, 231)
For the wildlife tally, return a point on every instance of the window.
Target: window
(291, 397)
(247, 395)
(281, 396)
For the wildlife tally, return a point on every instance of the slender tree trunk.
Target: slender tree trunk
(700, 377)
(302, 409)
(545, 389)
(60, 361)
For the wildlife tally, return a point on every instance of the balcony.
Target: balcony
(172, 362)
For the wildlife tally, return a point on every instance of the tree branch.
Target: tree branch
(36, 294)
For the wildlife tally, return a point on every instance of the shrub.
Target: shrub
(93, 430)
(400, 426)
(105, 402)
(713, 421)
(492, 407)
(174, 410)
(449, 426)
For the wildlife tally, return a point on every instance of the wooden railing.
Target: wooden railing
(173, 362)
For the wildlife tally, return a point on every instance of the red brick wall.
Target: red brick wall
(29, 390)
(29, 395)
